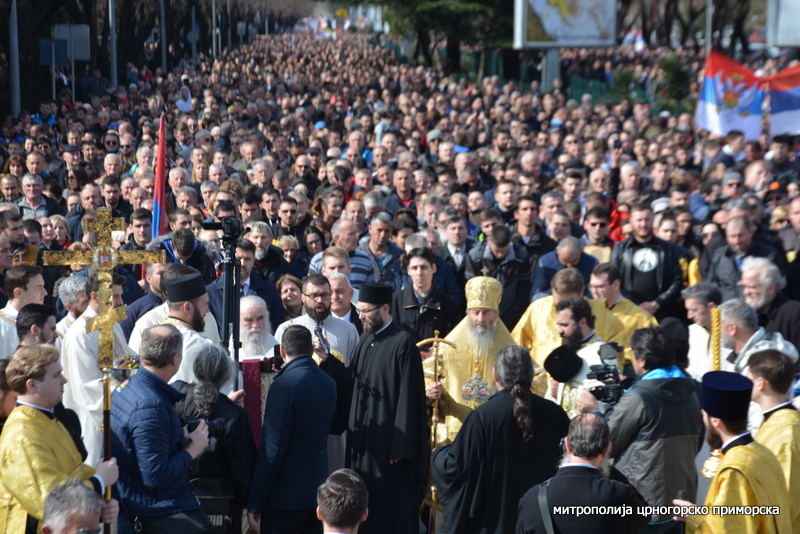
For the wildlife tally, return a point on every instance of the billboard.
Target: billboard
(782, 27)
(564, 23)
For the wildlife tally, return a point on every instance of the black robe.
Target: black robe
(381, 395)
(487, 469)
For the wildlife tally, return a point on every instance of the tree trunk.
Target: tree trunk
(453, 53)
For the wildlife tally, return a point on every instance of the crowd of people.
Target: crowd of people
(439, 280)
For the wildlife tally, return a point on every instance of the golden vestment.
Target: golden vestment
(749, 475)
(36, 455)
(633, 318)
(780, 433)
(537, 331)
(457, 367)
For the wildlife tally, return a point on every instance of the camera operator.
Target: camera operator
(222, 472)
(578, 365)
(656, 427)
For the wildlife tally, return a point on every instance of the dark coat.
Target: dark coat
(202, 258)
(439, 313)
(135, 270)
(393, 204)
(149, 301)
(656, 432)
(264, 289)
(146, 435)
(669, 272)
(547, 267)
(381, 395)
(459, 271)
(355, 320)
(443, 277)
(782, 316)
(292, 459)
(725, 274)
(515, 275)
(484, 473)
(273, 266)
(583, 486)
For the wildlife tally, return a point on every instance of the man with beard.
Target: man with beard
(256, 364)
(762, 283)
(569, 364)
(251, 283)
(269, 261)
(465, 372)
(188, 303)
(158, 314)
(341, 337)
(72, 293)
(80, 355)
(749, 474)
(381, 396)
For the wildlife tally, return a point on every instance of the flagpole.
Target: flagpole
(709, 25)
(159, 196)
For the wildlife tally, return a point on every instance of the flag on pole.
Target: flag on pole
(160, 194)
(638, 42)
(731, 99)
(784, 102)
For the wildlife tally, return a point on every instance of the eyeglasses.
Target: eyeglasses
(734, 184)
(317, 296)
(126, 146)
(707, 235)
(364, 312)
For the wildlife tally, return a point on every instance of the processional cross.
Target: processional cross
(105, 257)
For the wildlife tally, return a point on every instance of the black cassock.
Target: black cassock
(381, 395)
(487, 469)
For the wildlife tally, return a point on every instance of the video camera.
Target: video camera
(217, 428)
(230, 226)
(608, 373)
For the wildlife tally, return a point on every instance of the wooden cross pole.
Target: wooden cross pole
(105, 257)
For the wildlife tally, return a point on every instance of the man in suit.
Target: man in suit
(457, 246)
(251, 283)
(292, 460)
(585, 480)
(342, 306)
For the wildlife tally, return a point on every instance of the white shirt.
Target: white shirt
(341, 335)
(83, 393)
(157, 316)
(8, 331)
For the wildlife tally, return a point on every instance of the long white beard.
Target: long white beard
(255, 342)
(481, 339)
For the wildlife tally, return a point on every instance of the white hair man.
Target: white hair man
(741, 334)
(762, 283)
(72, 292)
(71, 508)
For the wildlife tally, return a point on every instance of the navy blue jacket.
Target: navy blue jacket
(146, 433)
(292, 459)
(264, 289)
(393, 205)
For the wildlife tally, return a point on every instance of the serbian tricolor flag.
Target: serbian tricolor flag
(160, 196)
(731, 99)
(784, 101)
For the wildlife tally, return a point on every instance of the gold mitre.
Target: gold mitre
(484, 292)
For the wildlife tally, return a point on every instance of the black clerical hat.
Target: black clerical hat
(186, 287)
(726, 395)
(563, 364)
(374, 293)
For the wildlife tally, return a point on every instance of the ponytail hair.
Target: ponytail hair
(514, 369)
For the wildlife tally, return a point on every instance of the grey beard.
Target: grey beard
(261, 253)
(481, 340)
(254, 342)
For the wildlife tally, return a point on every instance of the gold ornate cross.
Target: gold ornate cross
(105, 257)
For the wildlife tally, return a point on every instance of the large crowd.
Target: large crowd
(363, 184)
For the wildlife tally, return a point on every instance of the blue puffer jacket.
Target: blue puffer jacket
(146, 434)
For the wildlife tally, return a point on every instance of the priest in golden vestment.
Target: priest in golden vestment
(605, 284)
(748, 475)
(37, 452)
(537, 330)
(772, 373)
(466, 372)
